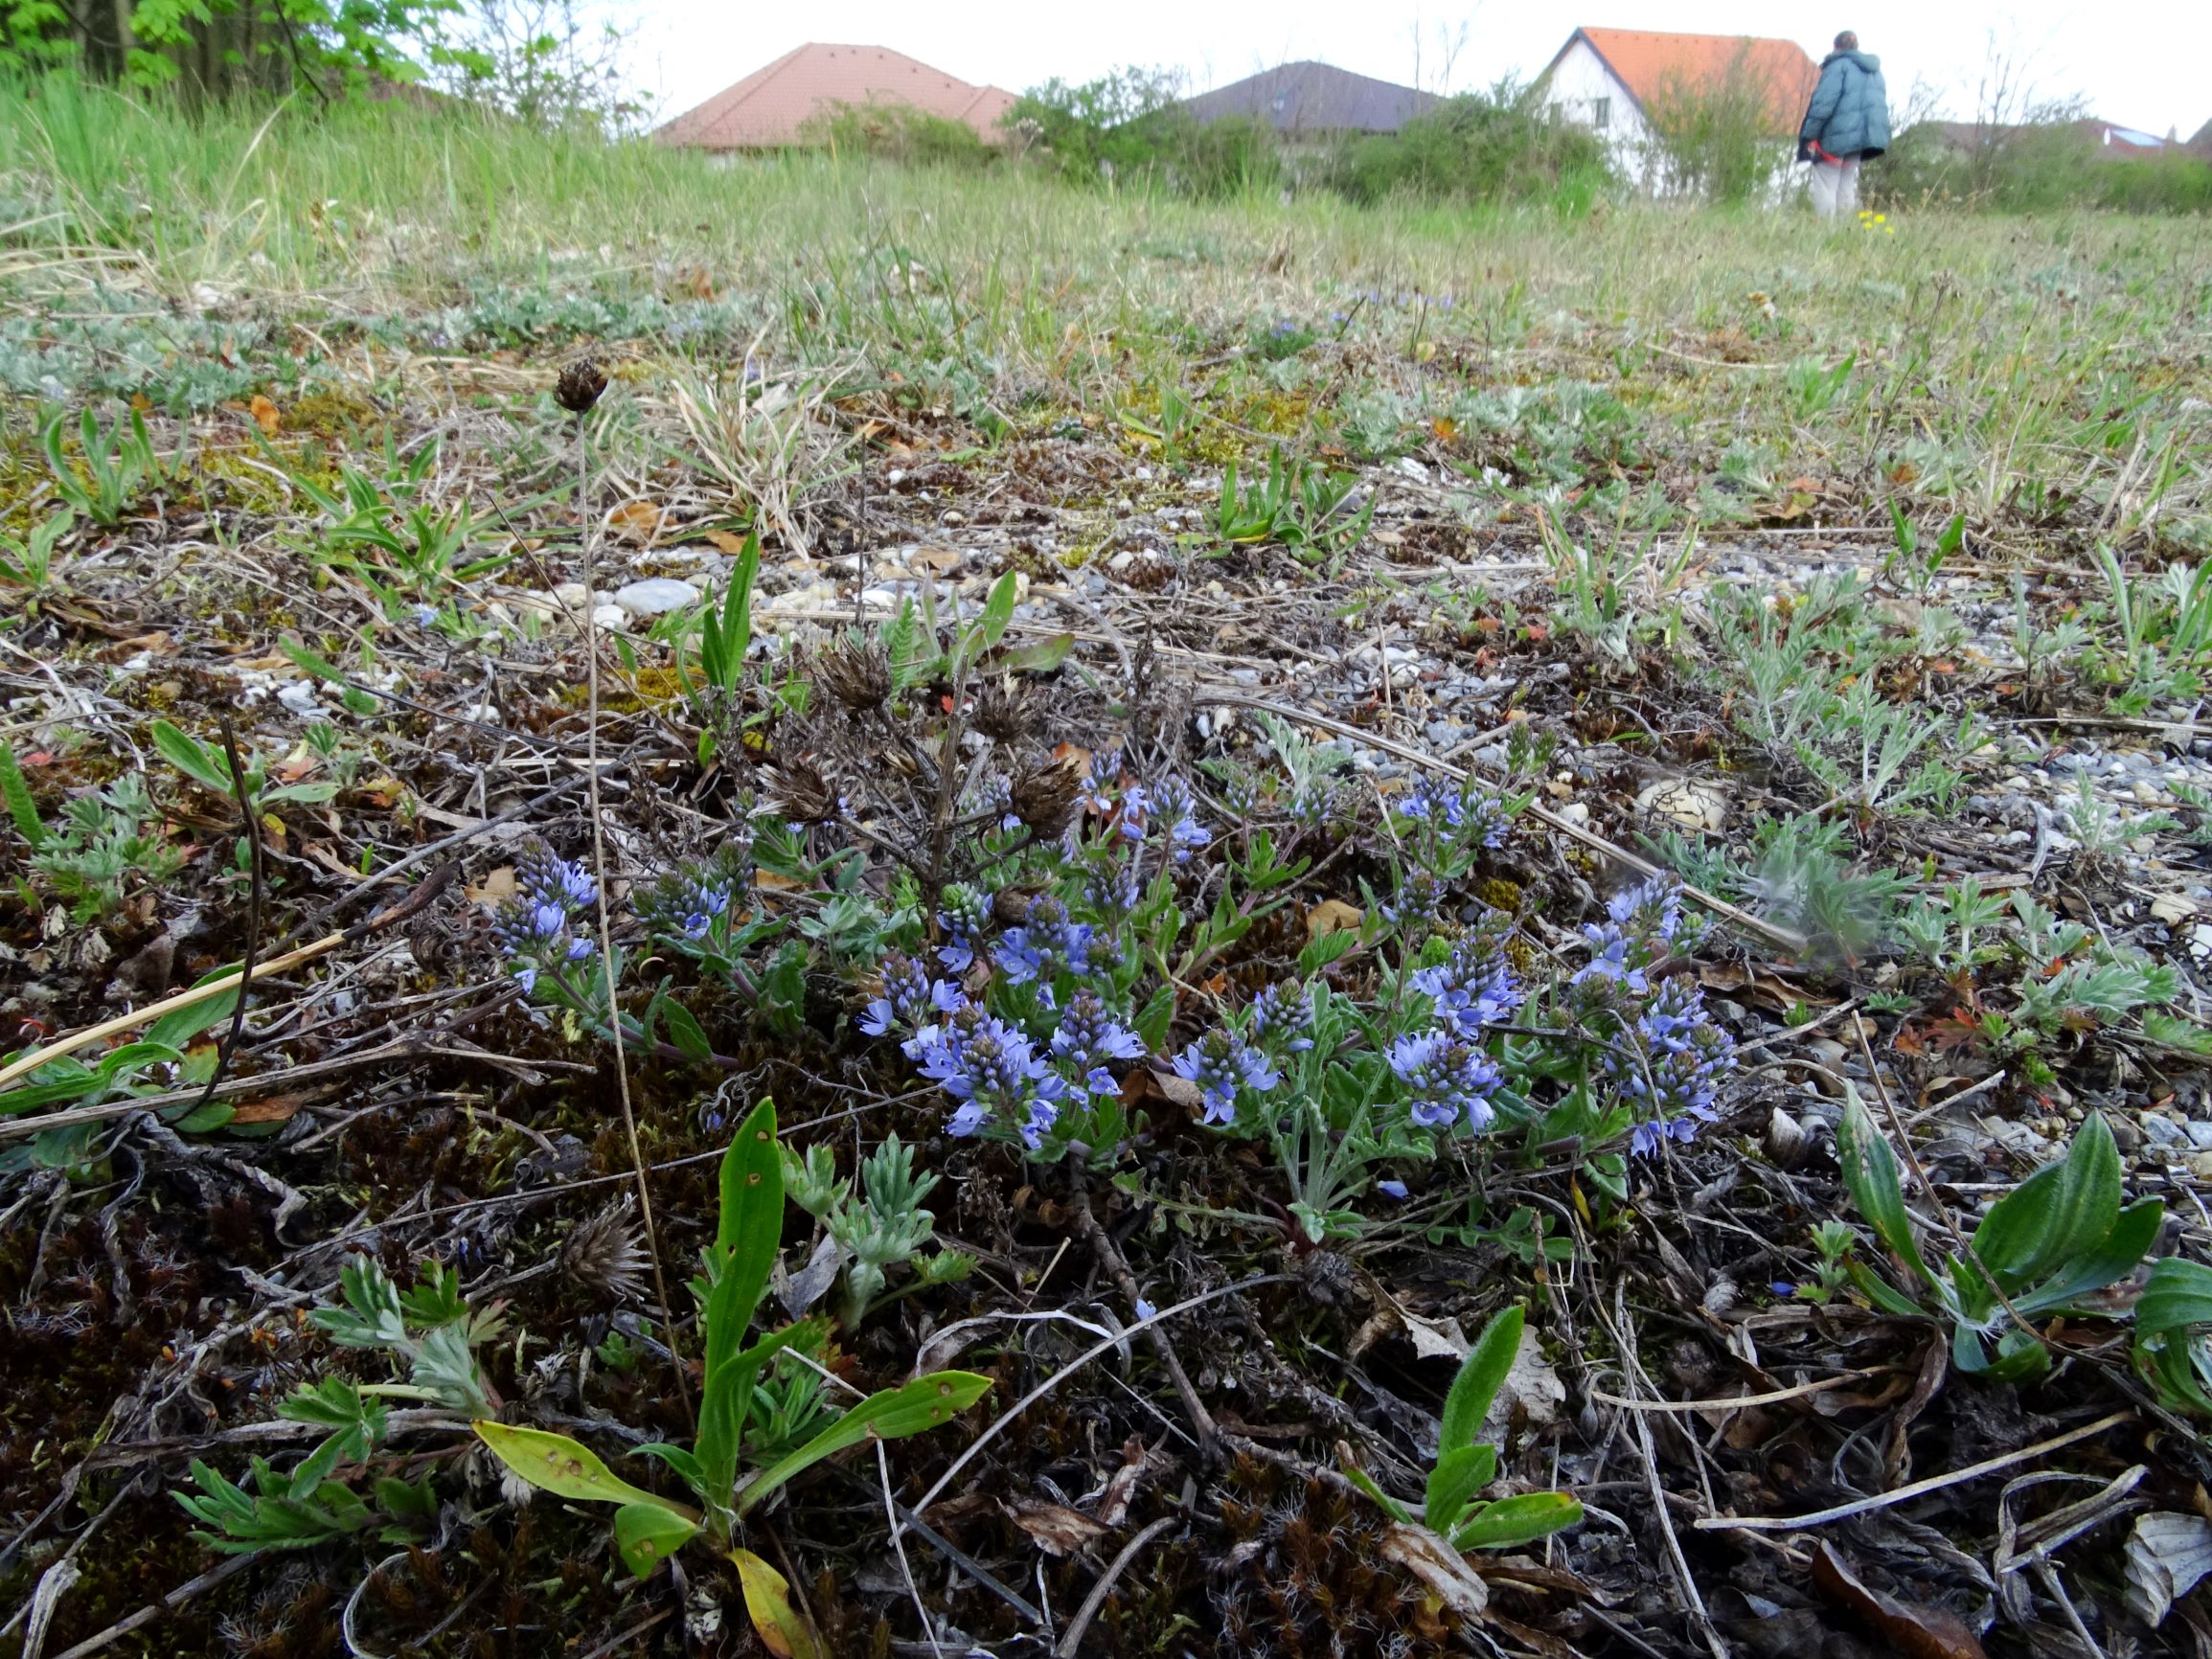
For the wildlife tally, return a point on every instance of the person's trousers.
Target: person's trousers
(1835, 187)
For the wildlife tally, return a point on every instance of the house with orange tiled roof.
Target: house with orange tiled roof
(778, 104)
(1612, 80)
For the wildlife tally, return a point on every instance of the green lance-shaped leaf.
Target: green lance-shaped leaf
(565, 1468)
(926, 1403)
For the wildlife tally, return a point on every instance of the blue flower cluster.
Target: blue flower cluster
(1469, 814)
(1672, 1072)
(1661, 1050)
(994, 1071)
(701, 897)
(1088, 1036)
(961, 918)
(1221, 1063)
(1111, 886)
(908, 998)
(1276, 1018)
(1414, 908)
(537, 927)
(1475, 985)
(1446, 1078)
(1048, 943)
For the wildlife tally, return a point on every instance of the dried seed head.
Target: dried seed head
(1001, 713)
(606, 1253)
(1044, 796)
(857, 675)
(580, 385)
(800, 793)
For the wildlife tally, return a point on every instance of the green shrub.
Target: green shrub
(2038, 166)
(1716, 137)
(1131, 128)
(1479, 146)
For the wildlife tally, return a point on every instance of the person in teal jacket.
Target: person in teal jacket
(1846, 123)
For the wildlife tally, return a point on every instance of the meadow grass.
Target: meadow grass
(2013, 369)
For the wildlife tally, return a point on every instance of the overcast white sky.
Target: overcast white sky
(2144, 62)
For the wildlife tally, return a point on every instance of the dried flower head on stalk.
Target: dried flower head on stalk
(1044, 796)
(802, 794)
(857, 675)
(580, 386)
(1001, 713)
(606, 1253)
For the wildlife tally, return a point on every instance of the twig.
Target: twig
(153, 1610)
(423, 854)
(629, 1635)
(405, 1049)
(1115, 1568)
(229, 1046)
(199, 993)
(1918, 1489)
(1768, 1399)
(1001, 1423)
(1103, 1246)
(605, 925)
(1793, 943)
(1633, 1369)
(899, 1549)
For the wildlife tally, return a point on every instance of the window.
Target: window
(1600, 113)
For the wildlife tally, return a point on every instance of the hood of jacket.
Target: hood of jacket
(1866, 61)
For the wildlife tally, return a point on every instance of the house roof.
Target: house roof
(2201, 144)
(1650, 64)
(1315, 97)
(771, 105)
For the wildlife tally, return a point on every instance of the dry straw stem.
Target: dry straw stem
(1918, 1489)
(136, 1017)
(28, 1064)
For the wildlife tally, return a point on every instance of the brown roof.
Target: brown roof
(771, 105)
(1650, 65)
(1315, 97)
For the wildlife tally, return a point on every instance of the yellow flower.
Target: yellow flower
(1882, 218)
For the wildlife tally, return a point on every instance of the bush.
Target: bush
(1479, 146)
(1130, 127)
(1716, 137)
(899, 132)
(2040, 167)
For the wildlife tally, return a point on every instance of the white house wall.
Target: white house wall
(1583, 92)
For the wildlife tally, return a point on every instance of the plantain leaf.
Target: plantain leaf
(1870, 1173)
(1460, 1472)
(1040, 658)
(203, 766)
(769, 1601)
(1481, 1374)
(926, 1402)
(565, 1468)
(750, 1228)
(647, 1533)
(1365, 1482)
(1518, 1521)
